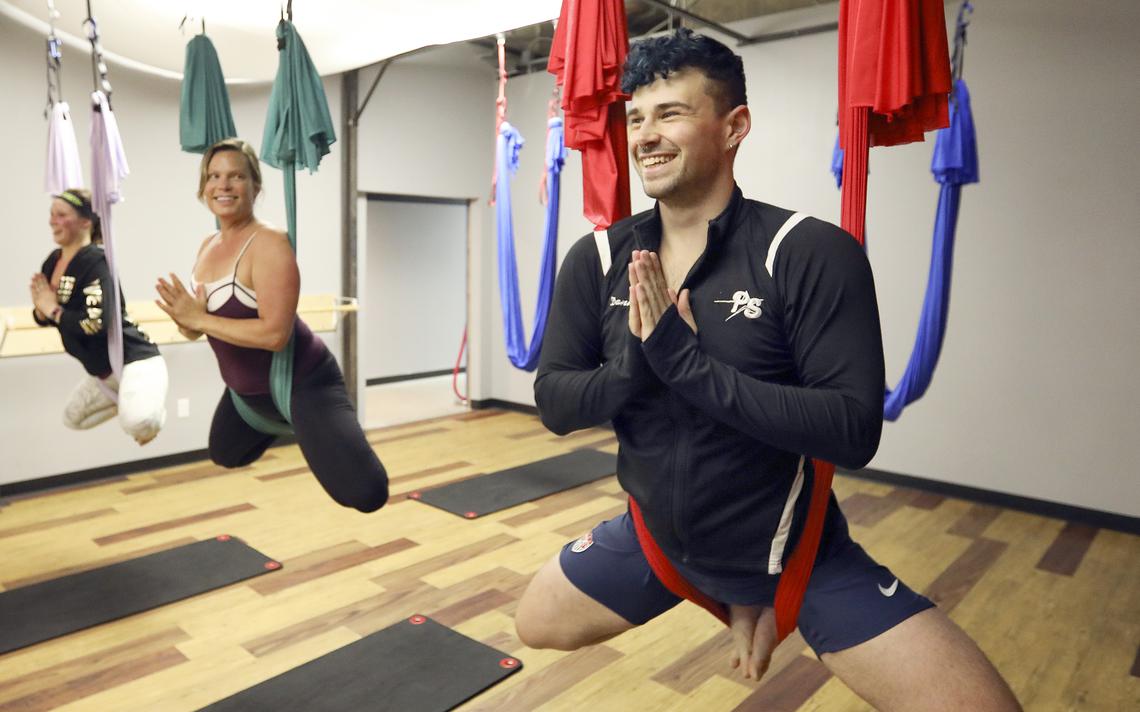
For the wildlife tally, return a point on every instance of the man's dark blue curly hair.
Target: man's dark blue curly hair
(658, 57)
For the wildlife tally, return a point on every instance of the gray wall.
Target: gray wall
(416, 301)
(157, 230)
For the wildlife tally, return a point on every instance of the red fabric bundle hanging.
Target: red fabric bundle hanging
(590, 45)
(895, 61)
(894, 84)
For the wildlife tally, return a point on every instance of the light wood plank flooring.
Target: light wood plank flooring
(1055, 605)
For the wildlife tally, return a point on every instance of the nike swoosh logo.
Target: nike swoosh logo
(889, 590)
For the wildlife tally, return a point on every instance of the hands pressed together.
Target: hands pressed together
(650, 295)
(184, 307)
(43, 296)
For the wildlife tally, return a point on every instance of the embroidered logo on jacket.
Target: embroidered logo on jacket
(615, 302)
(743, 304)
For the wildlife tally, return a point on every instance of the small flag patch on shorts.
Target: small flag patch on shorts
(584, 543)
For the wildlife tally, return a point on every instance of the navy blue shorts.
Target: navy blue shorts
(849, 600)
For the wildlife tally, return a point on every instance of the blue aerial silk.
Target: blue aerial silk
(955, 164)
(837, 163)
(507, 149)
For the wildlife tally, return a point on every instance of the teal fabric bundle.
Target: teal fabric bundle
(204, 116)
(298, 133)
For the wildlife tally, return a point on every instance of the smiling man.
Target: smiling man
(729, 341)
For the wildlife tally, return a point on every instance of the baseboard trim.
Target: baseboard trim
(80, 477)
(411, 376)
(84, 477)
(503, 405)
(1030, 505)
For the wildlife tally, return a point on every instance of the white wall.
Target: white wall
(157, 230)
(416, 297)
(428, 131)
(1036, 390)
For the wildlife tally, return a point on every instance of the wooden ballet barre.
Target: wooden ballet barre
(20, 335)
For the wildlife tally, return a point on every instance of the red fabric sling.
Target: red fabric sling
(793, 581)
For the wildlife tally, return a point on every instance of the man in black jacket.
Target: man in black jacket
(730, 342)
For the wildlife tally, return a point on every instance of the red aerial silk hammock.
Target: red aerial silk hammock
(590, 45)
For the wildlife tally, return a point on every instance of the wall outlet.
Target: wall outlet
(183, 407)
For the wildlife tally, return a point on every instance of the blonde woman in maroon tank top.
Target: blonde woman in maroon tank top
(243, 297)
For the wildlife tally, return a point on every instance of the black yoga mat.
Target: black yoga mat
(416, 665)
(499, 490)
(49, 609)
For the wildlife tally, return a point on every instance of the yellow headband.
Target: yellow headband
(81, 204)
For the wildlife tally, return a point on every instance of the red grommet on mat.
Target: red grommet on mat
(470, 515)
(508, 663)
(414, 495)
(417, 620)
(224, 537)
(272, 565)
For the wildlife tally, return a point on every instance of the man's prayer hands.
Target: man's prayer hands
(650, 295)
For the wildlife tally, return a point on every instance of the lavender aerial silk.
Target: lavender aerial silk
(63, 170)
(108, 169)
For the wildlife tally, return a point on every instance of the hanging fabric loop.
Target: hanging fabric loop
(955, 164)
(298, 133)
(509, 144)
(108, 169)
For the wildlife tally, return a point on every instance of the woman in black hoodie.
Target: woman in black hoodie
(69, 293)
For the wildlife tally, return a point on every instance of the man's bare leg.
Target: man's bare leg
(924, 663)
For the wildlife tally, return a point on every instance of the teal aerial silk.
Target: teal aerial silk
(298, 133)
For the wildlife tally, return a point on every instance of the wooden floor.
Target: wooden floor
(1055, 605)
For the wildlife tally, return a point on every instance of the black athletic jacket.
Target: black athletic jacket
(716, 429)
(81, 325)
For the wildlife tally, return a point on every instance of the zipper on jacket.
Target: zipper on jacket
(679, 469)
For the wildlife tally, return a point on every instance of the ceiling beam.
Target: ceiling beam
(693, 17)
(741, 39)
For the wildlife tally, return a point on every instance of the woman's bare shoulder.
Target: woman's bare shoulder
(272, 235)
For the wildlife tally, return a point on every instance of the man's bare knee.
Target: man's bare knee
(540, 636)
(553, 613)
